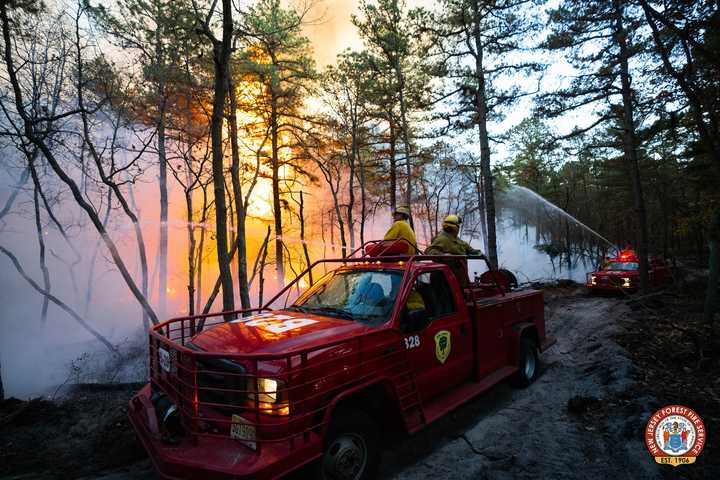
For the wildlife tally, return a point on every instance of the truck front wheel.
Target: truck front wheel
(352, 449)
(528, 363)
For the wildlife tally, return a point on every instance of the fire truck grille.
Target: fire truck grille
(222, 383)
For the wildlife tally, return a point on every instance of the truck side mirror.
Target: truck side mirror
(414, 320)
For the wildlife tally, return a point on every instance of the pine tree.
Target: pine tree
(478, 40)
(396, 45)
(600, 38)
(281, 59)
(222, 52)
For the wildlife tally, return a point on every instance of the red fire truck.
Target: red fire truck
(380, 343)
(622, 273)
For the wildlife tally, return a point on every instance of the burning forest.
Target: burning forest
(287, 173)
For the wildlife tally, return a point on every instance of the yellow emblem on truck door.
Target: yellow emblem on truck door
(442, 345)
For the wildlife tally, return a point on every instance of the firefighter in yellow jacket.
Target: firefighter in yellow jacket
(447, 242)
(401, 229)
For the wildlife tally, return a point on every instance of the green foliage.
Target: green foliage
(505, 32)
(395, 53)
(396, 44)
(533, 157)
(160, 35)
(586, 34)
(278, 55)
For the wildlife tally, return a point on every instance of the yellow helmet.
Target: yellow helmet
(403, 210)
(453, 221)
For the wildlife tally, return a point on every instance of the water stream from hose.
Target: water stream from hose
(534, 196)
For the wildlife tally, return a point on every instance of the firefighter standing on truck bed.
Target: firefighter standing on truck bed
(447, 242)
(401, 229)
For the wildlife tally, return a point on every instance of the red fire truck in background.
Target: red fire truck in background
(380, 343)
(622, 273)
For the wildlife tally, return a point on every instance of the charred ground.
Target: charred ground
(86, 433)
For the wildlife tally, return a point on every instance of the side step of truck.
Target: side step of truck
(461, 394)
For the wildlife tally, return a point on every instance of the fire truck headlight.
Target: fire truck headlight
(593, 280)
(626, 282)
(267, 390)
(272, 396)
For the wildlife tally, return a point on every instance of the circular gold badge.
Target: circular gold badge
(675, 435)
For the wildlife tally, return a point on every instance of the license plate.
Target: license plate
(164, 359)
(243, 432)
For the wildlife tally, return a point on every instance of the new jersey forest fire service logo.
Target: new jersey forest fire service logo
(675, 435)
(442, 345)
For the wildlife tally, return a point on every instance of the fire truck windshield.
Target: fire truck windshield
(622, 266)
(365, 296)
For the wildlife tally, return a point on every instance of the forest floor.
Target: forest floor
(616, 361)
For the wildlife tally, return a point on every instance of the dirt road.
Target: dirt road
(582, 418)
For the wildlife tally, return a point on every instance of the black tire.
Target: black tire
(528, 363)
(352, 447)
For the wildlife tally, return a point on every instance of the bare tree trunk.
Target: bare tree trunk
(163, 258)
(15, 190)
(351, 183)
(426, 202)
(48, 209)
(568, 243)
(340, 223)
(332, 229)
(322, 234)
(481, 211)
(162, 161)
(363, 200)
(482, 115)
(351, 205)
(262, 248)
(302, 236)
(201, 247)
(237, 195)
(40, 236)
(630, 147)
(393, 168)
(221, 56)
(400, 78)
(277, 212)
(93, 259)
(142, 254)
(216, 287)
(333, 182)
(261, 281)
(191, 252)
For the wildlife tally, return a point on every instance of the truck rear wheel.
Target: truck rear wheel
(528, 363)
(352, 449)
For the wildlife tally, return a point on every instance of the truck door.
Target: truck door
(439, 345)
(491, 343)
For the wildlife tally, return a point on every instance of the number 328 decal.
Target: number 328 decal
(412, 342)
